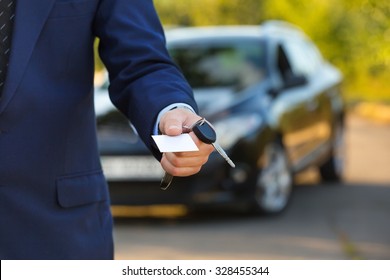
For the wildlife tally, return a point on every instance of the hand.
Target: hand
(183, 163)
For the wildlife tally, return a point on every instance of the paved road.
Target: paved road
(323, 221)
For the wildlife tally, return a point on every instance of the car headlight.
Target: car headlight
(231, 129)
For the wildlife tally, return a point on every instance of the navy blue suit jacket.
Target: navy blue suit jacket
(54, 202)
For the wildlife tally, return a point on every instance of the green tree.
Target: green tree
(209, 12)
(352, 34)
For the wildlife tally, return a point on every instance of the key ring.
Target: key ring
(200, 122)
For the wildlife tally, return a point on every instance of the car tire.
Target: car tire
(274, 181)
(333, 168)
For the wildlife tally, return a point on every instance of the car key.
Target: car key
(205, 132)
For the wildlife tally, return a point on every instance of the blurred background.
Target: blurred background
(352, 34)
(324, 220)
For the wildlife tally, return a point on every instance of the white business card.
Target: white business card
(171, 144)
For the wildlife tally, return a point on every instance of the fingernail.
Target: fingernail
(174, 127)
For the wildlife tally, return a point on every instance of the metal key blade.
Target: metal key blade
(206, 133)
(166, 181)
(219, 149)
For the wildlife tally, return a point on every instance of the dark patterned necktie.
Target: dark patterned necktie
(7, 15)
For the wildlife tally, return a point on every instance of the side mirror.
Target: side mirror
(273, 92)
(290, 81)
(295, 81)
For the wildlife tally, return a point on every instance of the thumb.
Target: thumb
(173, 127)
(171, 124)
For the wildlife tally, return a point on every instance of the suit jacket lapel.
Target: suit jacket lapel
(29, 21)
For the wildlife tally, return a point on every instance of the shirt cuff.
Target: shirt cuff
(169, 108)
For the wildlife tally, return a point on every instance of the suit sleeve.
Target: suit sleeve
(143, 78)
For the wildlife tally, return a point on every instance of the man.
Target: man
(54, 202)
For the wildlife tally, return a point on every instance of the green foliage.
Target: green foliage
(209, 12)
(352, 34)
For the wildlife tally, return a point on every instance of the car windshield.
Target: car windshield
(234, 65)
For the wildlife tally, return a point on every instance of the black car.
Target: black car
(274, 102)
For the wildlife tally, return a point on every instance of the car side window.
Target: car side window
(221, 64)
(284, 65)
(304, 57)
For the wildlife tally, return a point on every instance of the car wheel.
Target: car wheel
(274, 181)
(332, 170)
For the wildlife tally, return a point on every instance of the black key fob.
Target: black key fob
(205, 133)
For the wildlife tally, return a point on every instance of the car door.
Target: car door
(307, 61)
(302, 120)
(313, 129)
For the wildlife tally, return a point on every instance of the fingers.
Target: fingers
(180, 167)
(187, 163)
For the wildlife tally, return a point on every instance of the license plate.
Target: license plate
(122, 168)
